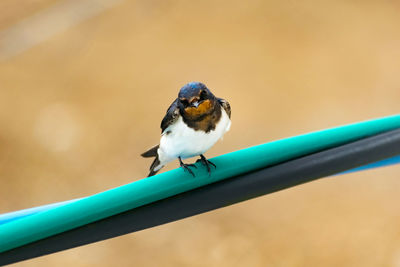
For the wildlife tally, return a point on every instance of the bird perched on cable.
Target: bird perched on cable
(194, 122)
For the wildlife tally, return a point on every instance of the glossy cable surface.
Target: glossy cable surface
(118, 200)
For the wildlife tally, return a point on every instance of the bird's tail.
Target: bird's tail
(152, 152)
(156, 165)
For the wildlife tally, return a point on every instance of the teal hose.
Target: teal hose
(16, 215)
(120, 199)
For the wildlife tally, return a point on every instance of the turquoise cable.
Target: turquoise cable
(59, 219)
(15, 215)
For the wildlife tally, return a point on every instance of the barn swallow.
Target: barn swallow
(194, 122)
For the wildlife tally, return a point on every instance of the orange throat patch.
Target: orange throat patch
(204, 108)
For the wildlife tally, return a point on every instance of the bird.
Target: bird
(193, 123)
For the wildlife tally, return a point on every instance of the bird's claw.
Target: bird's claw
(186, 167)
(206, 163)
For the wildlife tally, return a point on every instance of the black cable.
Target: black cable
(217, 195)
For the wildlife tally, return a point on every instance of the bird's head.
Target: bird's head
(195, 100)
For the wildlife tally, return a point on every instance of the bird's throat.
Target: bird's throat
(204, 108)
(205, 120)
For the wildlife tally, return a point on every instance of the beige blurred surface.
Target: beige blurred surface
(78, 108)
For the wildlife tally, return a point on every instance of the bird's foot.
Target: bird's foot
(206, 163)
(186, 166)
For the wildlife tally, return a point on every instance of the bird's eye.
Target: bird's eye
(185, 102)
(203, 95)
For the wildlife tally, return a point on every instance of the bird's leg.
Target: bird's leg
(186, 166)
(206, 162)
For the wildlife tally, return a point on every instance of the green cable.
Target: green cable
(145, 191)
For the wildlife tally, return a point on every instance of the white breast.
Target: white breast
(185, 142)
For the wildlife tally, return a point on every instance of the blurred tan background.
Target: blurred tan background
(84, 86)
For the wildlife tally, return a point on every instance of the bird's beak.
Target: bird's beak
(195, 103)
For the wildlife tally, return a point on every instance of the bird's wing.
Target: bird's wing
(171, 116)
(225, 105)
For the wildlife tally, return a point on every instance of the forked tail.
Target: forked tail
(156, 165)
